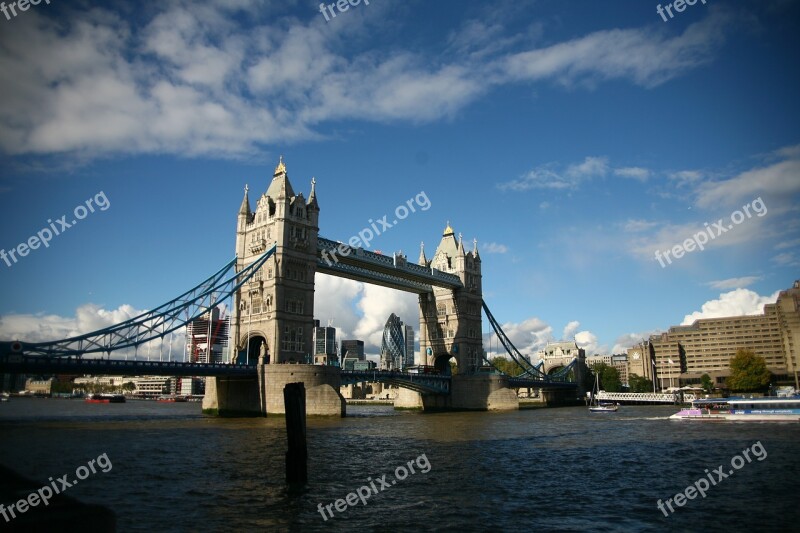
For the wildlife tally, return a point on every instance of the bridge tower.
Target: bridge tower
(273, 315)
(451, 320)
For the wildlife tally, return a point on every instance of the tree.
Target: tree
(507, 366)
(706, 383)
(638, 383)
(609, 377)
(748, 372)
(129, 386)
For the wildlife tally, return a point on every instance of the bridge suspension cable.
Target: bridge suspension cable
(149, 325)
(529, 369)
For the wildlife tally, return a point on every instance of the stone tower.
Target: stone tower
(273, 312)
(450, 321)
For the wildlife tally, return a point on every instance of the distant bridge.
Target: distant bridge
(647, 397)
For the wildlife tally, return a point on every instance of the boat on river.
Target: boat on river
(767, 409)
(105, 398)
(595, 405)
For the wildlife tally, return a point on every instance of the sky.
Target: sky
(621, 173)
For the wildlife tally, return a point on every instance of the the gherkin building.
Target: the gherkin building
(397, 345)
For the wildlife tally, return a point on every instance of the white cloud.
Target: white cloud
(635, 226)
(627, 340)
(88, 318)
(734, 303)
(636, 173)
(494, 248)
(686, 177)
(570, 329)
(588, 341)
(212, 79)
(786, 259)
(549, 177)
(733, 283)
(648, 58)
(528, 336)
(777, 182)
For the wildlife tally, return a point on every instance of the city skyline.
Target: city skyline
(576, 143)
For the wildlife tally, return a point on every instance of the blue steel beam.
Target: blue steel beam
(20, 364)
(150, 325)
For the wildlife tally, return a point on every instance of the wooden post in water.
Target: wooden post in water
(294, 401)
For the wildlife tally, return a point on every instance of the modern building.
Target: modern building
(198, 333)
(620, 362)
(408, 334)
(397, 345)
(353, 349)
(324, 340)
(684, 353)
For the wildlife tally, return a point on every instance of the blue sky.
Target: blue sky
(573, 140)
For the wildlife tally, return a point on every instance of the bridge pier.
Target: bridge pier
(263, 395)
(554, 397)
(467, 393)
(231, 396)
(322, 389)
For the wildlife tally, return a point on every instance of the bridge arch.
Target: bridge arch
(441, 363)
(252, 349)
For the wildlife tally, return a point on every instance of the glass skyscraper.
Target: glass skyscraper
(397, 345)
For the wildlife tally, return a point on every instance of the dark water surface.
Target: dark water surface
(547, 470)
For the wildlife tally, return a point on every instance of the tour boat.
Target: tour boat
(595, 406)
(105, 398)
(171, 399)
(766, 409)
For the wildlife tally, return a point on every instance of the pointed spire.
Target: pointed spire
(448, 230)
(245, 207)
(475, 248)
(312, 198)
(422, 259)
(460, 244)
(280, 186)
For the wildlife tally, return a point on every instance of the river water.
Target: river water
(173, 469)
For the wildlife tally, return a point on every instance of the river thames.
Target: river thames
(563, 469)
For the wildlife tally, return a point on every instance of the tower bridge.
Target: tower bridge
(278, 253)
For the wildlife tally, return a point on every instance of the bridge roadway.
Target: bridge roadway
(432, 383)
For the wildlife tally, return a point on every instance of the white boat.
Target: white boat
(768, 409)
(595, 406)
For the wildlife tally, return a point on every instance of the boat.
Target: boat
(767, 409)
(105, 398)
(4, 397)
(170, 399)
(595, 405)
